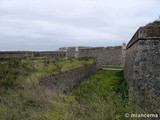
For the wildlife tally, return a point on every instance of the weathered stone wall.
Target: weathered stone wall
(17, 54)
(105, 56)
(111, 56)
(142, 64)
(71, 52)
(65, 81)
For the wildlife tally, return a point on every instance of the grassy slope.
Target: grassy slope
(100, 84)
(103, 96)
(21, 97)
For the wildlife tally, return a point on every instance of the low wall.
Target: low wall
(142, 64)
(18, 54)
(65, 81)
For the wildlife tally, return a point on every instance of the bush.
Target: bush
(9, 72)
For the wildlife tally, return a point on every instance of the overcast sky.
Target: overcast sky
(50, 24)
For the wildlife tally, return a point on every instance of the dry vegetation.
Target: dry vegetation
(21, 96)
(103, 96)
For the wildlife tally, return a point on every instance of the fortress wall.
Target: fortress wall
(65, 81)
(50, 54)
(71, 52)
(112, 56)
(142, 64)
(18, 54)
(10, 54)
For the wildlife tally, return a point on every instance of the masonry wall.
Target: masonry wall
(18, 54)
(142, 64)
(105, 56)
(65, 81)
(15, 54)
(71, 52)
(110, 56)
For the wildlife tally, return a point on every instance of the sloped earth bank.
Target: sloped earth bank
(103, 96)
(65, 81)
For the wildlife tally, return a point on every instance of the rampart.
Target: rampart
(142, 62)
(110, 56)
(65, 81)
(17, 54)
(105, 56)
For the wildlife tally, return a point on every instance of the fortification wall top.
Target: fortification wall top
(16, 52)
(109, 47)
(97, 48)
(149, 31)
(63, 48)
(117, 47)
(7, 54)
(71, 48)
(101, 48)
(84, 47)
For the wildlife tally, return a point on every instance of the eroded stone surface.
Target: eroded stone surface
(65, 81)
(142, 64)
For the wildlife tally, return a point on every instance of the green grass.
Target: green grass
(13, 71)
(21, 96)
(100, 84)
(103, 96)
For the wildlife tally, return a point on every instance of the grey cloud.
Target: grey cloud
(49, 24)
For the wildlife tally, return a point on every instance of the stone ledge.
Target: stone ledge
(144, 33)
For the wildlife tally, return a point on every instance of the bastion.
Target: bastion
(142, 61)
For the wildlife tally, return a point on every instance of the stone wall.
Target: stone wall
(65, 81)
(17, 54)
(10, 54)
(105, 56)
(142, 64)
(71, 52)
